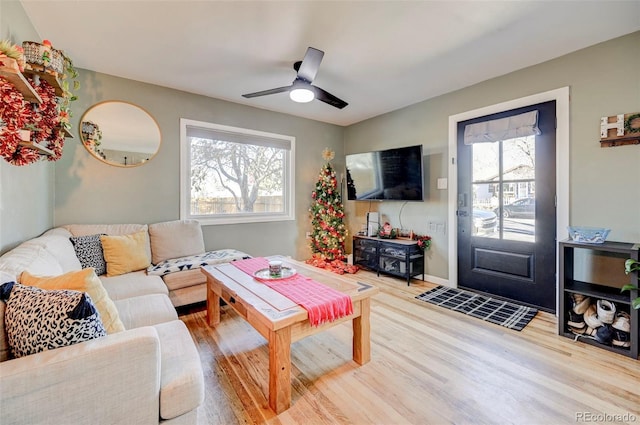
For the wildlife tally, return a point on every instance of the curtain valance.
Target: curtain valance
(521, 125)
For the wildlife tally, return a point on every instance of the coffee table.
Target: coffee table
(281, 321)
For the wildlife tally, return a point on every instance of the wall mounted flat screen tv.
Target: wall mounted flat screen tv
(391, 174)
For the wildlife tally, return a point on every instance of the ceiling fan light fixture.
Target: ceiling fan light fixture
(301, 95)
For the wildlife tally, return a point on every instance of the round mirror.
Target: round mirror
(120, 133)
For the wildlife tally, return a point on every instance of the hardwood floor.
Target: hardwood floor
(429, 366)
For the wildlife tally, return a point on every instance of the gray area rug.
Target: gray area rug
(500, 312)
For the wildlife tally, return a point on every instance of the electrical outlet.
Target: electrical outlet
(308, 235)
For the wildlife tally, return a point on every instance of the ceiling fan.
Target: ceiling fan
(301, 89)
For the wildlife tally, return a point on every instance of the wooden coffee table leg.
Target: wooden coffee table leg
(280, 369)
(362, 333)
(213, 307)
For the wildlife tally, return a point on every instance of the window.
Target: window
(235, 175)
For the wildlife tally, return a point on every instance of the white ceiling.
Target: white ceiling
(379, 55)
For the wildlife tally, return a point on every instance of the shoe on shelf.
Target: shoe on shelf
(621, 339)
(580, 303)
(575, 320)
(604, 335)
(622, 322)
(606, 311)
(591, 317)
(585, 331)
(578, 330)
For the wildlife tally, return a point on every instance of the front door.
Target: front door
(507, 212)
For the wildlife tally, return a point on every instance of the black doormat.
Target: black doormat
(500, 312)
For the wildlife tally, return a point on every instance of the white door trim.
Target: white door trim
(561, 96)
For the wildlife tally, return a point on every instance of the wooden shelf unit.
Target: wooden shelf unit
(10, 71)
(568, 285)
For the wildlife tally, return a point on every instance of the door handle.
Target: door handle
(461, 213)
(462, 200)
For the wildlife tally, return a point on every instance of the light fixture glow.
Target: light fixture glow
(301, 95)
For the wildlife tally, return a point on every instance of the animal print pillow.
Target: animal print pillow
(89, 252)
(37, 320)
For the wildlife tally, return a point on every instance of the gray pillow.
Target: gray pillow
(89, 252)
(38, 320)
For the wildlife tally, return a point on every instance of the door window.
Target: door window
(503, 183)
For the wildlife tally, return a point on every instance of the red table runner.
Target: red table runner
(323, 304)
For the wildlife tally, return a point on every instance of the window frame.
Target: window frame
(236, 218)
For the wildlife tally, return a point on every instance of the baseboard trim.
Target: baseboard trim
(438, 280)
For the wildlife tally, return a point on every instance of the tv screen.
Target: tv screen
(391, 174)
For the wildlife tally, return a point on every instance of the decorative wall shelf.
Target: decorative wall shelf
(620, 130)
(39, 105)
(9, 71)
(620, 141)
(48, 77)
(41, 149)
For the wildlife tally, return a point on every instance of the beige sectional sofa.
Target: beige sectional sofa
(148, 373)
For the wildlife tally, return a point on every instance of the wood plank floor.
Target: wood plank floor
(429, 366)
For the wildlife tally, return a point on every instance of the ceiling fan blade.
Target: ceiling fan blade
(310, 64)
(267, 92)
(327, 97)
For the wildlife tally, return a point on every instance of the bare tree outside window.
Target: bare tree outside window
(236, 173)
(241, 171)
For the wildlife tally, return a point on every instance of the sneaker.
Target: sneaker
(621, 339)
(580, 303)
(606, 311)
(591, 317)
(575, 320)
(604, 335)
(622, 322)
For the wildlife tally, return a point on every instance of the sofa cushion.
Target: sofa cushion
(181, 377)
(32, 256)
(125, 253)
(173, 239)
(133, 284)
(184, 279)
(146, 310)
(56, 242)
(189, 295)
(88, 249)
(83, 281)
(107, 229)
(39, 320)
(196, 261)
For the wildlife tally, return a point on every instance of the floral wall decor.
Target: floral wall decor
(31, 131)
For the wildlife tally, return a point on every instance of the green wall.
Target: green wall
(604, 80)
(89, 191)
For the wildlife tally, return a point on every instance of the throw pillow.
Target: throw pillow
(39, 320)
(89, 252)
(175, 239)
(84, 280)
(126, 253)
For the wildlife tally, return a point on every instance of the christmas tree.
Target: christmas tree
(327, 213)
